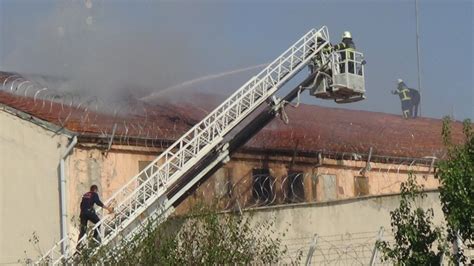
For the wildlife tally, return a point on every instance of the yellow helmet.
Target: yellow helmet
(347, 34)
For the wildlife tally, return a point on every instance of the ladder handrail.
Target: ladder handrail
(211, 129)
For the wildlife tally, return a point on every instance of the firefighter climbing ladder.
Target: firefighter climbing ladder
(144, 198)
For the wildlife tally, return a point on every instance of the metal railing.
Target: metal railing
(346, 61)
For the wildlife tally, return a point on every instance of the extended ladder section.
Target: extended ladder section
(144, 197)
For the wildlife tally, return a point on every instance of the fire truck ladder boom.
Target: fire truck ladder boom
(145, 196)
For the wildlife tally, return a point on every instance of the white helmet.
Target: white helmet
(319, 34)
(347, 34)
(400, 80)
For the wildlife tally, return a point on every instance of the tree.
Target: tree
(413, 230)
(456, 175)
(201, 237)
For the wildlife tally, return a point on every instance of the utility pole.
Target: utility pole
(418, 54)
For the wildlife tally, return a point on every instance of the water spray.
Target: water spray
(198, 80)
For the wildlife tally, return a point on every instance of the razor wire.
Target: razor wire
(259, 190)
(93, 115)
(337, 249)
(135, 123)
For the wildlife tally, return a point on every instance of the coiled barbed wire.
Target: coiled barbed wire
(122, 121)
(251, 191)
(351, 248)
(135, 123)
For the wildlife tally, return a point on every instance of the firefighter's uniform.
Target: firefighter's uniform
(347, 48)
(404, 93)
(88, 213)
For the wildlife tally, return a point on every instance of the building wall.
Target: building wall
(323, 179)
(347, 229)
(29, 187)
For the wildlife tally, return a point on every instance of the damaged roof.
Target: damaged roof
(311, 128)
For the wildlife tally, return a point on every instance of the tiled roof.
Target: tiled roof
(332, 129)
(143, 121)
(311, 128)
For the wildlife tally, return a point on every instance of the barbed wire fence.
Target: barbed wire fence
(357, 248)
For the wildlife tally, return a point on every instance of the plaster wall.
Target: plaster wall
(347, 229)
(29, 187)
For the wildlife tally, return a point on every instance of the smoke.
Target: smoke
(93, 48)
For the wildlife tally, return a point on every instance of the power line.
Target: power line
(418, 53)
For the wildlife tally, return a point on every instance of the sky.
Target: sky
(138, 47)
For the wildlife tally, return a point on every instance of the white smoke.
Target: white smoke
(88, 49)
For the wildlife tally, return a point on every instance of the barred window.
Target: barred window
(262, 186)
(295, 187)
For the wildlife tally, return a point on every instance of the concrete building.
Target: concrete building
(330, 170)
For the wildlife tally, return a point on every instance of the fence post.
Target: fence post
(376, 251)
(312, 248)
(441, 259)
(458, 248)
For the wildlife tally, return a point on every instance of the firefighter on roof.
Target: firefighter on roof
(410, 99)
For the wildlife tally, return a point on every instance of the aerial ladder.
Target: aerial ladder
(149, 197)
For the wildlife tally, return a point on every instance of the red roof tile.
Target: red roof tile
(331, 129)
(152, 122)
(311, 128)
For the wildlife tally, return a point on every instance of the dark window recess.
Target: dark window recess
(262, 186)
(295, 187)
(361, 186)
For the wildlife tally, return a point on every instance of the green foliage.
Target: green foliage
(202, 237)
(446, 131)
(456, 175)
(413, 230)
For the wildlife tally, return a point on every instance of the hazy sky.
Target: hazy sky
(152, 45)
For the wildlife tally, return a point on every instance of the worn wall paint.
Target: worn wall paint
(29, 187)
(329, 187)
(109, 171)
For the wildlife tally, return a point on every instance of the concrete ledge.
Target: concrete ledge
(328, 203)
